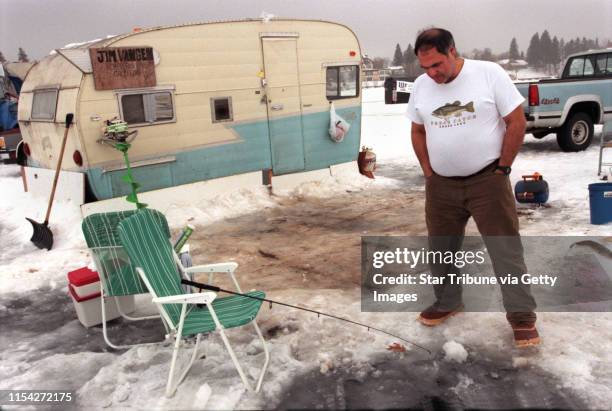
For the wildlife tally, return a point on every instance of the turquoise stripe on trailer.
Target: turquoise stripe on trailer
(253, 152)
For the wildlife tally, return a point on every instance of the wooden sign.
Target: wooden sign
(122, 67)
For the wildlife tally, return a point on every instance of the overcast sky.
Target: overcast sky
(42, 25)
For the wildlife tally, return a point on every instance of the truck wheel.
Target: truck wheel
(576, 134)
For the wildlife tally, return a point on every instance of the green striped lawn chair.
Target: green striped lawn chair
(144, 239)
(118, 276)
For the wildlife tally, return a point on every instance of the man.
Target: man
(467, 128)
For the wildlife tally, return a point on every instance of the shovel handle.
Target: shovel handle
(69, 118)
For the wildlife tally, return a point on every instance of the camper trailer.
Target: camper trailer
(208, 101)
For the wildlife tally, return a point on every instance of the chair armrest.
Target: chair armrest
(229, 267)
(196, 298)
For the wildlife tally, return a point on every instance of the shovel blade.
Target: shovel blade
(42, 236)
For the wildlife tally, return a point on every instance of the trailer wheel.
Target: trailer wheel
(576, 133)
(22, 158)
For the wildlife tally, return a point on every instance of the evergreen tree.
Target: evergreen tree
(513, 53)
(409, 56)
(546, 49)
(22, 56)
(411, 67)
(398, 57)
(556, 51)
(522, 55)
(2, 59)
(570, 47)
(533, 50)
(487, 55)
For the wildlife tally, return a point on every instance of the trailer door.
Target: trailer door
(284, 104)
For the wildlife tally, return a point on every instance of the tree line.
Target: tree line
(543, 52)
(22, 56)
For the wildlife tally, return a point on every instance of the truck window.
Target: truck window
(44, 104)
(342, 82)
(588, 67)
(148, 107)
(576, 67)
(609, 64)
(600, 65)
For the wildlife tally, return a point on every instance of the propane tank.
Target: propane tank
(533, 189)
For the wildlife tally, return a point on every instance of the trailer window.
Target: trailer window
(332, 82)
(150, 107)
(133, 109)
(221, 108)
(609, 64)
(44, 104)
(342, 82)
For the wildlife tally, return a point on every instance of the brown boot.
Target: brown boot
(431, 316)
(525, 334)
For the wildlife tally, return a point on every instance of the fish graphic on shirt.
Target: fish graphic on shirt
(452, 109)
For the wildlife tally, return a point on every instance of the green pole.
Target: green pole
(132, 197)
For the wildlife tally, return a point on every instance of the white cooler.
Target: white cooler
(84, 289)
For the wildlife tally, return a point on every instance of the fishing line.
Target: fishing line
(202, 286)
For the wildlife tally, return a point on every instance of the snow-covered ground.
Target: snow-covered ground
(529, 73)
(315, 362)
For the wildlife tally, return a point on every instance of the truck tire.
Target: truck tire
(576, 133)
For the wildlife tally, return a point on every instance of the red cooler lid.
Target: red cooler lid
(82, 276)
(84, 298)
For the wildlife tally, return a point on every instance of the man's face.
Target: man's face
(440, 67)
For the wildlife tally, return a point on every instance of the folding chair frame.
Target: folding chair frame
(603, 144)
(104, 301)
(201, 298)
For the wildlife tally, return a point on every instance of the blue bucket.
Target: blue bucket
(600, 199)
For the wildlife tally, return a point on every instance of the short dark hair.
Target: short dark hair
(439, 38)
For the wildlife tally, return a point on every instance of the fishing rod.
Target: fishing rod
(202, 286)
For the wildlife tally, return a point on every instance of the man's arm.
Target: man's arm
(513, 139)
(419, 146)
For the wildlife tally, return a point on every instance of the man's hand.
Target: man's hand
(513, 139)
(419, 145)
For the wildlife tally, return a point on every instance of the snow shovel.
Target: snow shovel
(42, 236)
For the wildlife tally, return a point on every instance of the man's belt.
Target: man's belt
(488, 168)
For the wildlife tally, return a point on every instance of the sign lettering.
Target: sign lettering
(122, 67)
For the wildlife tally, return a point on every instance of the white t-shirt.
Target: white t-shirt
(464, 118)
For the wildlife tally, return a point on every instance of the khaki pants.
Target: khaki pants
(488, 198)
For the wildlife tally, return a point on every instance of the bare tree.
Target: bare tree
(22, 56)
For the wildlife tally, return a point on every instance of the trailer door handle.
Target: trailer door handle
(276, 107)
